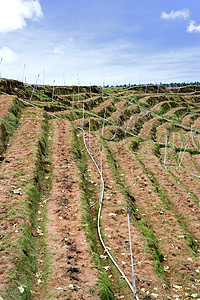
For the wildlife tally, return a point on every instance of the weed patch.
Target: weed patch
(9, 123)
(25, 262)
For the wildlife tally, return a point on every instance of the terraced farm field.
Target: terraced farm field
(76, 165)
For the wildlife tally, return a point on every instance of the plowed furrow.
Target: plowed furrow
(71, 273)
(18, 174)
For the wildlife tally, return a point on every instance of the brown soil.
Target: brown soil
(120, 108)
(145, 131)
(17, 171)
(5, 103)
(71, 274)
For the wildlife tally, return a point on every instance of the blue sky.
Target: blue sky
(100, 41)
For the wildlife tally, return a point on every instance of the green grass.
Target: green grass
(9, 123)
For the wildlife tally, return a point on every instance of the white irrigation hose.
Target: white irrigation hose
(73, 101)
(195, 175)
(53, 91)
(129, 232)
(139, 117)
(127, 126)
(34, 87)
(89, 136)
(23, 73)
(99, 215)
(183, 153)
(196, 127)
(179, 156)
(165, 149)
(83, 115)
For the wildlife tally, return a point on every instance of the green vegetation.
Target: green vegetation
(9, 123)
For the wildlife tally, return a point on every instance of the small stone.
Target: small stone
(177, 287)
(103, 257)
(70, 286)
(190, 259)
(112, 215)
(21, 289)
(197, 270)
(154, 295)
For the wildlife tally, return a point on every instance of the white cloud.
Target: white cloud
(192, 28)
(57, 50)
(13, 13)
(7, 55)
(178, 14)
